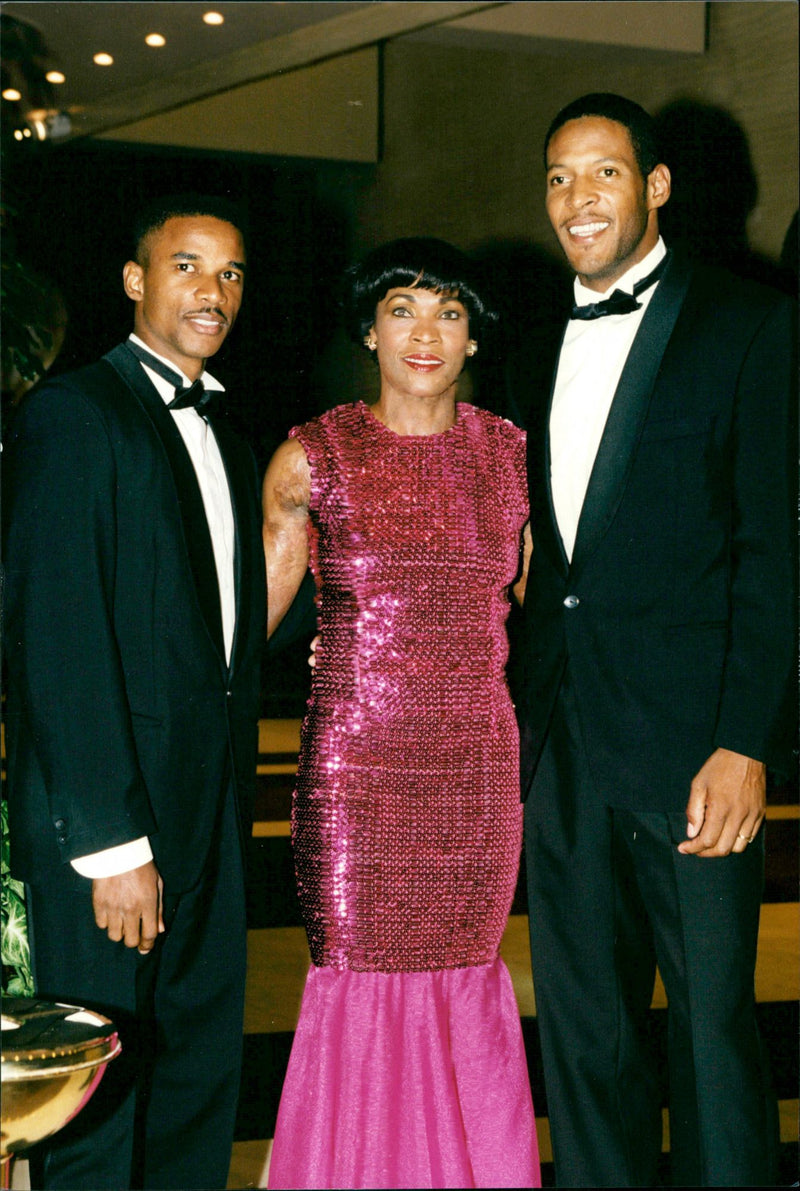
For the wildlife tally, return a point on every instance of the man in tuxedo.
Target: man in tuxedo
(135, 618)
(651, 674)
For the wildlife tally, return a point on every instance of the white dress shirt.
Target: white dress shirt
(213, 482)
(592, 357)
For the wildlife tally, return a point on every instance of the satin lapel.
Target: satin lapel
(190, 501)
(628, 412)
(241, 483)
(544, 525)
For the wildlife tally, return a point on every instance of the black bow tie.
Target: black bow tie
(193, 397)
(186, 396)
(619, 302)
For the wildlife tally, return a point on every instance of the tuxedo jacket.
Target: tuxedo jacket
(675, 615)
(124, 718)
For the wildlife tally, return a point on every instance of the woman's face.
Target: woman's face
(421, 339)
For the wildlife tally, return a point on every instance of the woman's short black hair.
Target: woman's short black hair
(639, 123)
(420, 261)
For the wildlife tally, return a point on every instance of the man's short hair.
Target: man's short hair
(640, 125)
(155, 213)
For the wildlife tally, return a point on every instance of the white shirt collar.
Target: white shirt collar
(626, 282)
(165, 389)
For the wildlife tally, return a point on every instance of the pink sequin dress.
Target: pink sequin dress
(408, 1067)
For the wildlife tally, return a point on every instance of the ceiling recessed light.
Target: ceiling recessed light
(103, 60)
(12, 94)
(55, 76)
(213, 18)
(155, 39)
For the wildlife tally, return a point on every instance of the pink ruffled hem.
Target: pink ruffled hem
(407, 1080)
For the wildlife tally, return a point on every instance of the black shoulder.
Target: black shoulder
(96, 384)
(727, 289)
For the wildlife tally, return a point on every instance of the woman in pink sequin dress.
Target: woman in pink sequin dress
(408, 1067)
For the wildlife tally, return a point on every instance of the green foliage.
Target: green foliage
(16, 952)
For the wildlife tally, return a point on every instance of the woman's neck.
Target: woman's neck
(415, 415)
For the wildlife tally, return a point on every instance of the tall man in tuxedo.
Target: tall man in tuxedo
(135, 617)
(652, 673)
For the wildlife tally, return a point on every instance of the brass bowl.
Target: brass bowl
(53, 1058)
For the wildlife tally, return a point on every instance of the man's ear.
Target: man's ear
(659, 186)
(133, 281)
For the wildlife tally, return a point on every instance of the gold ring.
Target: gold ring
(748, 839)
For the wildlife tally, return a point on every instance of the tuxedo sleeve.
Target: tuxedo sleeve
(65, 669)
(755, 709)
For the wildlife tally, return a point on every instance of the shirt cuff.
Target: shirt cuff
(112, 862)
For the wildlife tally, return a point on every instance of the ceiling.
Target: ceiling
(74, 32)
(197, 59)
(262, 40)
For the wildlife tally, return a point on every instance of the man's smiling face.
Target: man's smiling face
(601, 208)
(188, 288)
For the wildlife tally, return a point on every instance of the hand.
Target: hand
(129, 906)
(312, 657)
(726, 806)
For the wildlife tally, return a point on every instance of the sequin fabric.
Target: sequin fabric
(406, 820)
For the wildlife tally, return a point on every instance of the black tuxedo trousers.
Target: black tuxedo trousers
(164, 1114)
(609, 898)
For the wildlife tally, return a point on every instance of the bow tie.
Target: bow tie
(186, 396)
(619, 302)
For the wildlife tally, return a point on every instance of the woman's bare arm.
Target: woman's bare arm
(285, 496)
